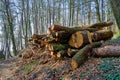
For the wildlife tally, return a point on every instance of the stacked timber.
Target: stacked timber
(75, 42)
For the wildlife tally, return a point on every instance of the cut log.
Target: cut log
(63, 36)
(62, 53)
(72, 52)
(101, 35)
(96, 25)
(101, 25)
(107, 51)
(72, 30)
(79, 39)
(82, 55)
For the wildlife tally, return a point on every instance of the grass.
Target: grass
(106, 66)
(82, 75)
(116, 35)
(28, 67)
(109, 69)
(112, 76)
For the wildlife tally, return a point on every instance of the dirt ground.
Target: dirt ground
(47, 67)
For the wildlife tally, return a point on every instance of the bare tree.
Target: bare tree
(10, 22)
(97, 10)
(115, 4)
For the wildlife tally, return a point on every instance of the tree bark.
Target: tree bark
(10, 22)
(91, 28)
(82, 55)
(100, 25)
(97, 10)
(107, 51)
(72, 52)
(115, 4)
(62, 36)
(58, 47)
(101, 35)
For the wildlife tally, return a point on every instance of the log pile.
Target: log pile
(75, 42)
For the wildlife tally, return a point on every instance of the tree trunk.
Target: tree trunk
(82, 55)
(10, 22)
(97, 10)
(101, 25)
(72, 52)
(58, 47)
(61, 36)
(72, 30)
(101, 35)
(107, 51)
(79, 39)
(115, 4)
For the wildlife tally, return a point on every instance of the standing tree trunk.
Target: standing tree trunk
(35, 17)
(48, 1)
(97, 10)
(89, 12)
(70, 12)
(115, 4)
(10, 22)
(6, 47)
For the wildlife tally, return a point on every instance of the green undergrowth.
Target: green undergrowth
(29, 66)
(112, 76)
(116, 35)
(106, 66)
(110, 68)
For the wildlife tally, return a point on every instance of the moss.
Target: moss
(29, 66)
(59, 47)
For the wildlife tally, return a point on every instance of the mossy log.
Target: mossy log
(80, 38)
(72, 52)
(82, 55)
(101, 35)
(101, 25)
(58, 47)
(68, 29)
(62, 53)
(63, 36)
(107, 51)
(96, 25)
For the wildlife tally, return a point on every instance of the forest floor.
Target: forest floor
(43, 66)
